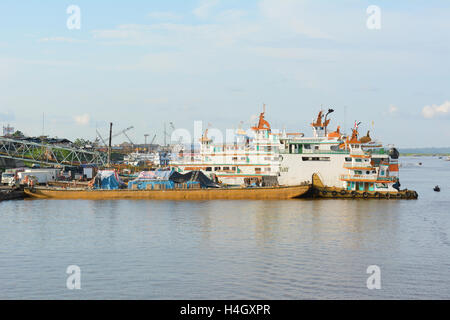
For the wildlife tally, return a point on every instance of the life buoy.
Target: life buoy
(354, 193)
(324, 192)
(365, 195)
(399, 195)
(343, 192)
(408, 194)
(388, 195)
(377, 194)
(334, 193)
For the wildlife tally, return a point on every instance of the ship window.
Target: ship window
(226, 168)
(235, 158)
(316, 159)
(257, 170)
(208, 169)
(233, 168)
(243, 158)
(316, 147)
(367, 172)
(358, 172)
(307, 146)
(348, 159)
(217, 169)
(358, 160)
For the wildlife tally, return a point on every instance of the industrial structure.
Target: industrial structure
(50, 154)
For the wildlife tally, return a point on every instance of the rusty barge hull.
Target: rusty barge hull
(274, 193)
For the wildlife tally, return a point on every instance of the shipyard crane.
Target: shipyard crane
(124, 132)
(153, 140)
(101, 138)
(166, 134)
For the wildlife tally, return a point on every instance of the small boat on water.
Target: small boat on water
(258, 193)
(437, 189)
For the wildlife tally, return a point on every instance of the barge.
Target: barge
(256, 193)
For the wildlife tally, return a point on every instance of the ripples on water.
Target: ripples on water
(300, 249)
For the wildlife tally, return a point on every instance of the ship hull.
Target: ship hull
(341, 193)
(276, 193)
(319, 190)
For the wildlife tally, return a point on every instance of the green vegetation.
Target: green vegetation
(18, 134)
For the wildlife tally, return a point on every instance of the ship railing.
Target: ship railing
(366, 177)
(306, 151)
(357, 165)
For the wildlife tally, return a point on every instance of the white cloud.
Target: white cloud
(157, 100)
(163, 15)
(393, 109)
(82, 120)
(7, 116)
(203, 11)
(232, 14)
(436, 110)
(60, 39)
(293, 16)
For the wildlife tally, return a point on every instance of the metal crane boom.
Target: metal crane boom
(153, 140)
(123, 131)
(101, 138)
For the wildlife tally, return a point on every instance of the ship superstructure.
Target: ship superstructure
(253, 157)
(353, 163)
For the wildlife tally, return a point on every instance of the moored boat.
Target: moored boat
(259, 193)
(319, 190)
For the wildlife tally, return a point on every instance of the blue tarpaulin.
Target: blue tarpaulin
(107, 180)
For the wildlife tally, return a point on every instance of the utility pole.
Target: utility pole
(109, 145)
(165, 135)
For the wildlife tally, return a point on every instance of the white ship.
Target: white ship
(353, 163)
(137, 159)
(253, 158)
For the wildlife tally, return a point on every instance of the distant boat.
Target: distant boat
(447, 159)
(437, 189)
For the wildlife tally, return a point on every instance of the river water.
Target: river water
(298, 249)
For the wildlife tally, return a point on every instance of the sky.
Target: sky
(144, 63)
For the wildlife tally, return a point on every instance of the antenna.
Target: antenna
(109, 145)
(345, 121)
(165, 135)
(145, 144)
